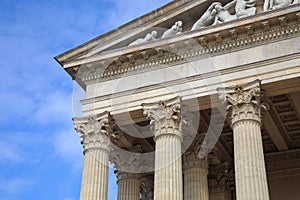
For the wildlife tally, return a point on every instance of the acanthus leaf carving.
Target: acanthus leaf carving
(165, 117)
(126, 162)
(192, 160)
(244, 101)
(93, 131)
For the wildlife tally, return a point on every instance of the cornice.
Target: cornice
(231, 36)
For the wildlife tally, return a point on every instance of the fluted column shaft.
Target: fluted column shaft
(195, 184)
(166, 125)
(168, 168)
(128, 186)
(195, 171)
(93, 134)
(250, 172)
(245, 105)
(95, 175)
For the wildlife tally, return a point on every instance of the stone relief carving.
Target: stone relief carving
(245, 8)
(223, 14)
(174, 30)
(207, 18)
(276, 4)
(217, 14)
(149, 37)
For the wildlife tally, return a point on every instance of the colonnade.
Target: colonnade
(177, 176)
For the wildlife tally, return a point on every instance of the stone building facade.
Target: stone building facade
(195, 100)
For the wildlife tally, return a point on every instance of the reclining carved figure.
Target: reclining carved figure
(276, 4)
(207, 18)
(174, 30)
(149, 37)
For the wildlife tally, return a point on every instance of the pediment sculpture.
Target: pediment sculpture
(276, 4)
(174, 30)
(217, 14)
(149, 37)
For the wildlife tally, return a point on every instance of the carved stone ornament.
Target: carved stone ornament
(276, 4)
(165, 117)
(147, 187)
(221, 178)
(174, 30)
(191, 160)
(126, 175)
(93, 131)
(244, 101)
(216, 13)
(149, 37)
(125, 162)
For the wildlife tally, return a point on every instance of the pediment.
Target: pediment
(112, 48)
(161, 19)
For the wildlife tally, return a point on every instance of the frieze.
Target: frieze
(262, 31)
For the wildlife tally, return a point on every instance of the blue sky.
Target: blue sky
(40, 154)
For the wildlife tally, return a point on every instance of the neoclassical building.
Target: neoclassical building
(197, 100)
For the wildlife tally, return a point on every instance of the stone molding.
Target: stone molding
(165, 117)
(192, 160)
(94, 131)
(245, 102)
(264, 30)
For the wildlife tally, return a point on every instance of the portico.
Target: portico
(211, 113)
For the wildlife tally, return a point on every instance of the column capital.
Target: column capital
(126, 162)
(94, 131)
(165, 117)
(125, 175)
(191, 160)
(245, 102)
(221, 178)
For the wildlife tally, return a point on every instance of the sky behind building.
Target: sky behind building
(41, 156)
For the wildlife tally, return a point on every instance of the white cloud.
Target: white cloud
(54, 107)
(16, 147)
(15, 185)
(67, 146)
(10, 152)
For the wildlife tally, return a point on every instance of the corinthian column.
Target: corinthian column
(195, 172)
(93, 134)
(128, 186)
(127, 170)
(165, 124)
(244, 107)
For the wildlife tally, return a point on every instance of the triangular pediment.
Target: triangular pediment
(161, 19)
(112, 50)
